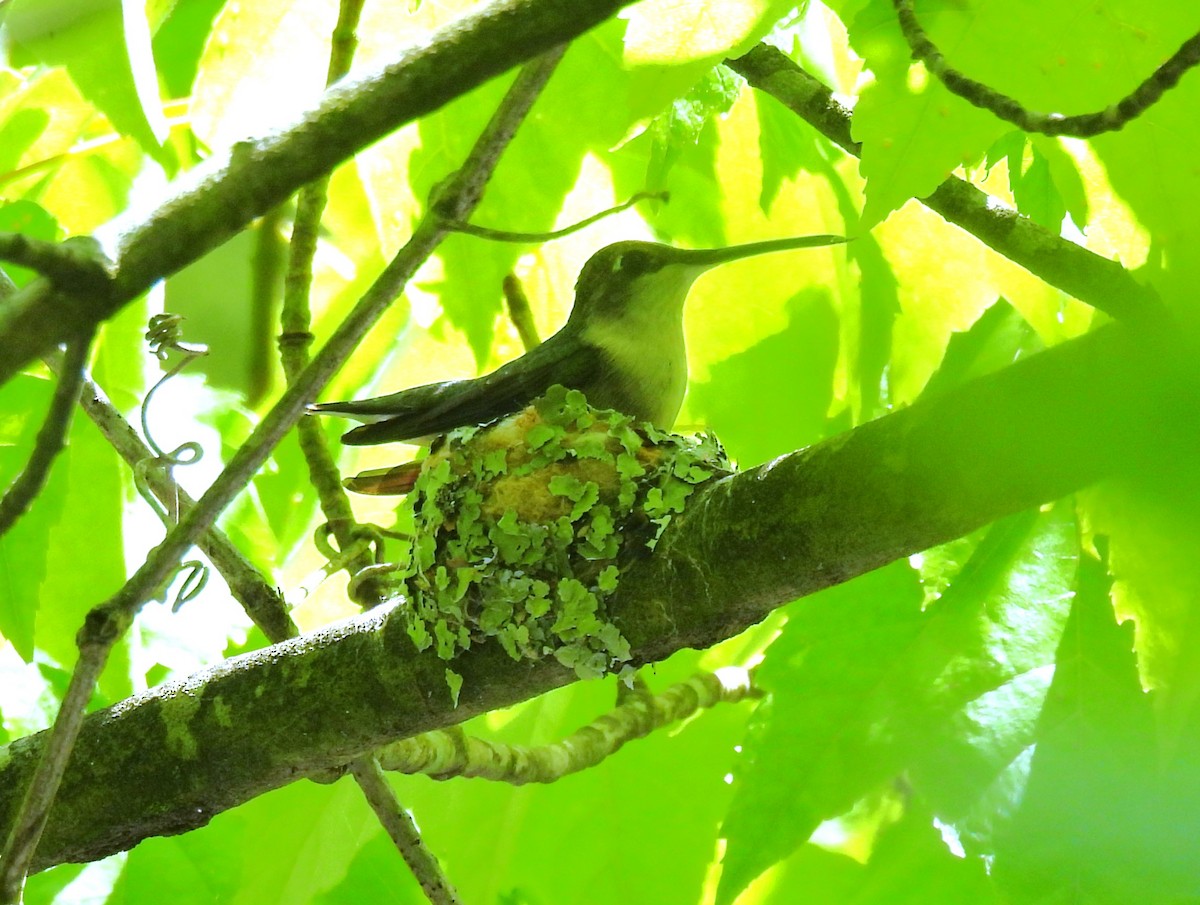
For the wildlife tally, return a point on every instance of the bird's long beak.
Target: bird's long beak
(704, 258)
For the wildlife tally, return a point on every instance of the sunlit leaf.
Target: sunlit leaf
(1147, 521)
(865, 684)
(1099, 820)
(809, 754)
(179, 41)
(105, 46)
(914, 132)
(23, 549)
(300, 840)
(680, 31)
(775, 396)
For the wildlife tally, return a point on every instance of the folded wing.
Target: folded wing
(436, 408)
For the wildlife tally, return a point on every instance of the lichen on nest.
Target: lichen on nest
(522, 528)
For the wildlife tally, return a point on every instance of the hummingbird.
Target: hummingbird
(622, 347)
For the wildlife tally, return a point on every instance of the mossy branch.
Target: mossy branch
(1114, 401)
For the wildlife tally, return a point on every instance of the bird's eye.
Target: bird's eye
(632, 262)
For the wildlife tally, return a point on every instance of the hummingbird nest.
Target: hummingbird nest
(522, 528)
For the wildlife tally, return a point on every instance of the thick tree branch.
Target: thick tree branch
(223, 195)
(75, 265)
(1115, 400)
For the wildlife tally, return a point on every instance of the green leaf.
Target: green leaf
(786, 146)
(864, 685)
(18, 133)
(375, 875)
(913, 130)
(683, 123)
(1032, 182)
(808, 754)
(1148, 521)
(455, 682)
(997, 339)
(532, 179)
(179, 43)
(1038, 197)
(988, 656)
(877, 359)
(775, 396)
(1160, 204)
(257, 66)
(228, 330)
(815, 875)
(292, 844)
(84, 566)
(105, 45)
(584, 494)
(1064, 174)
(23, 549)
(607, 580)
(32, 221)
(578, 608)
(911, 863)
(688, 169)
(674, 32)
(1100, 819)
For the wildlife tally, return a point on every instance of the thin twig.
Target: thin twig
(39, 796)
(504, 235)
(460, 194)
(296, 336)
(403, 832)
(258, 597)
(519, 312)
(1096, 281)
(447, 753)
(1083, 125)
(294, 340)
(51, 437)
(107, 622)
(266, 275)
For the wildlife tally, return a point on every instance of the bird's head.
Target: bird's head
(656, 278)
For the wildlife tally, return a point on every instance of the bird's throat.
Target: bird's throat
(646, 369)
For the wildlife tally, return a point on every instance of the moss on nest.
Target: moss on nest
(522, 528)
